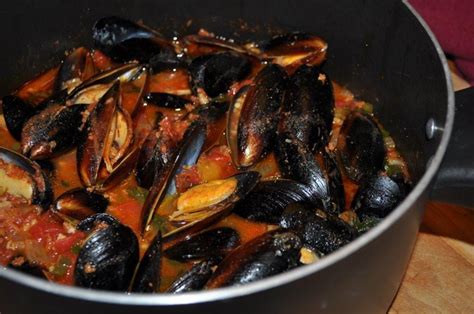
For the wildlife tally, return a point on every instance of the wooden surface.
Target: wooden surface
(440, 275)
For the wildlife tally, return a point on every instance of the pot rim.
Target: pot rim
(280, 279)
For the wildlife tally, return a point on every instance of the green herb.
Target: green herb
(367, 223)
(393, 169)
(160, 223)
(61, 267)
(138, 193)
(76, 248)
(16, 146)
(385, 133)
(65, 184)
(368, 107)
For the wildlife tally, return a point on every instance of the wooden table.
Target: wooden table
(440, 275)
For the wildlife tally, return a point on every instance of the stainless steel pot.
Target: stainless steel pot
(381, 50)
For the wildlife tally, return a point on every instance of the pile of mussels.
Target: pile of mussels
(282, 103)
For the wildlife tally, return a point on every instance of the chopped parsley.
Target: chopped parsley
(61, 267)
(76, 248)
(138, 193)
(65, 184)
(160, 223)
(16, 146)
(367, 223)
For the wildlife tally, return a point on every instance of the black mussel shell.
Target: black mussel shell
(166, 100)
(16, 112)
(320, 174)
(212, 111)
(108, 258)
(254, 115)
(148, 275)
(360, 146)
(91, 144)
(294, 49)
(41, 191)
(80, 203)
(156, 153)
(204, 245)
(296, 215)
(308, 108)
(124, 40)
(266, 202)
(326, 235)
(194, 279)
(215, 73)
(93, 221)
(378, 196)
(75, 68)
(52, 131)
(269, 254)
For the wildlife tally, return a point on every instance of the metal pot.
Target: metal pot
(381, 50)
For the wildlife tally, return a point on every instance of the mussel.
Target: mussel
(266, 202)
(215, 242)
(124, 40)
(163, 182)
(21, 177)
(148, 275)
(155, 155)
(52, 131)
(378, 196)
(319, 173)
(214, 73)
(254, 115)
(360, 146)
(308, 108)
(269, 254)
(16, 112)
(105, 139)
(76, 68)
(166, 100)
(294, 49)
(80, 203)
(109, 255)
(193, 279)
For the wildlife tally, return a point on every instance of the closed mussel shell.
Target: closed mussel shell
(80, 203)
(148, 275)
(108, 257)
(204, 245)
(194, 279)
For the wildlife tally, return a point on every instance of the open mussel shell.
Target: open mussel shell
(164, 181)
(24, 178)
(266, 202)
(211, 243)
(52, 131)
(108, 257)
(254, 115)
(80, 203)
(203, 44)
(215, 73)
(319, 173)
(269, 254)
(360, 146)
(378, 196)
(91, 146)
(76, 68)
(148, 275)
(213, 197)
(194, 279)
(204, 204)
(308, 108)
(124, 40)
(16, 112)
(294, 49)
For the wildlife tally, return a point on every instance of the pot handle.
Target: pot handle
(454, 182)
